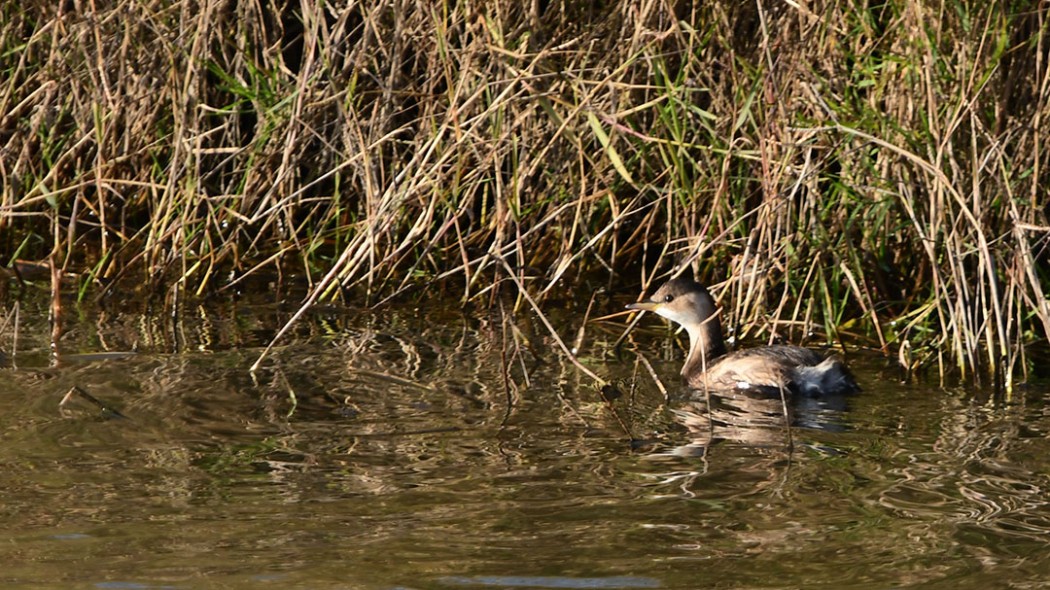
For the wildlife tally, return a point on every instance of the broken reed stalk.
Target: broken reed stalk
(858, 171)
(550, 328)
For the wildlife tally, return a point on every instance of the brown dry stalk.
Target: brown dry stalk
(840, 169)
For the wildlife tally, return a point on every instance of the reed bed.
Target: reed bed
(871, 172)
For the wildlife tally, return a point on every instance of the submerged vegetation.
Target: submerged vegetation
(871, 170)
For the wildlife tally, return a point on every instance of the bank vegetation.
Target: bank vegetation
(868, 171)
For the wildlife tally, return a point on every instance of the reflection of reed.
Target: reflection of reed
(981, 476)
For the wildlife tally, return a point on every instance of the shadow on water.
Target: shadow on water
(394, 451)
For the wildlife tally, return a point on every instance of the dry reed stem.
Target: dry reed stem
(841, 167)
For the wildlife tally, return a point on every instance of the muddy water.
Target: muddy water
(394, 451)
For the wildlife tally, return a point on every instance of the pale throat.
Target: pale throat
(705, 345)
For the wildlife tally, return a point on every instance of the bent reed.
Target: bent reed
(863, 170)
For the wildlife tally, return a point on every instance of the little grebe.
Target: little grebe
(780, 367)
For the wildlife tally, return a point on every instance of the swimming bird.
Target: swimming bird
(777, 368)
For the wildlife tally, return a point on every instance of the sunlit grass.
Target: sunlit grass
(840, 172)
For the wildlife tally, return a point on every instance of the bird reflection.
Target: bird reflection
(753, 418)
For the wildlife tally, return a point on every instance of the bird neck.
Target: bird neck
(705, 345)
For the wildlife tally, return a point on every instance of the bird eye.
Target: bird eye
(668, 298)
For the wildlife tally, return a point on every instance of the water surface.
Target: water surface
(421, 448)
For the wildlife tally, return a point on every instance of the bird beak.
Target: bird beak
(643, 306)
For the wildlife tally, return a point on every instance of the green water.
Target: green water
(394, 451)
